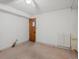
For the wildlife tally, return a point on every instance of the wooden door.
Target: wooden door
(32, 29)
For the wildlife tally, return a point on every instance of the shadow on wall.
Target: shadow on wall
(13, 13)
(6, 1)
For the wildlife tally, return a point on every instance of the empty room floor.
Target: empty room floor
(37, 51)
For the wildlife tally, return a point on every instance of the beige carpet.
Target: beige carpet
(36, 51)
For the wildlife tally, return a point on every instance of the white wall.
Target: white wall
(55, 28)
(13, 10)
(11, 28)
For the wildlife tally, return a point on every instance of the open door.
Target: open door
(32, 29)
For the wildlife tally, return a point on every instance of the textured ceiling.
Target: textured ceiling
(41, 6)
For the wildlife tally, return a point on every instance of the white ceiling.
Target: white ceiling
(42, 6)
